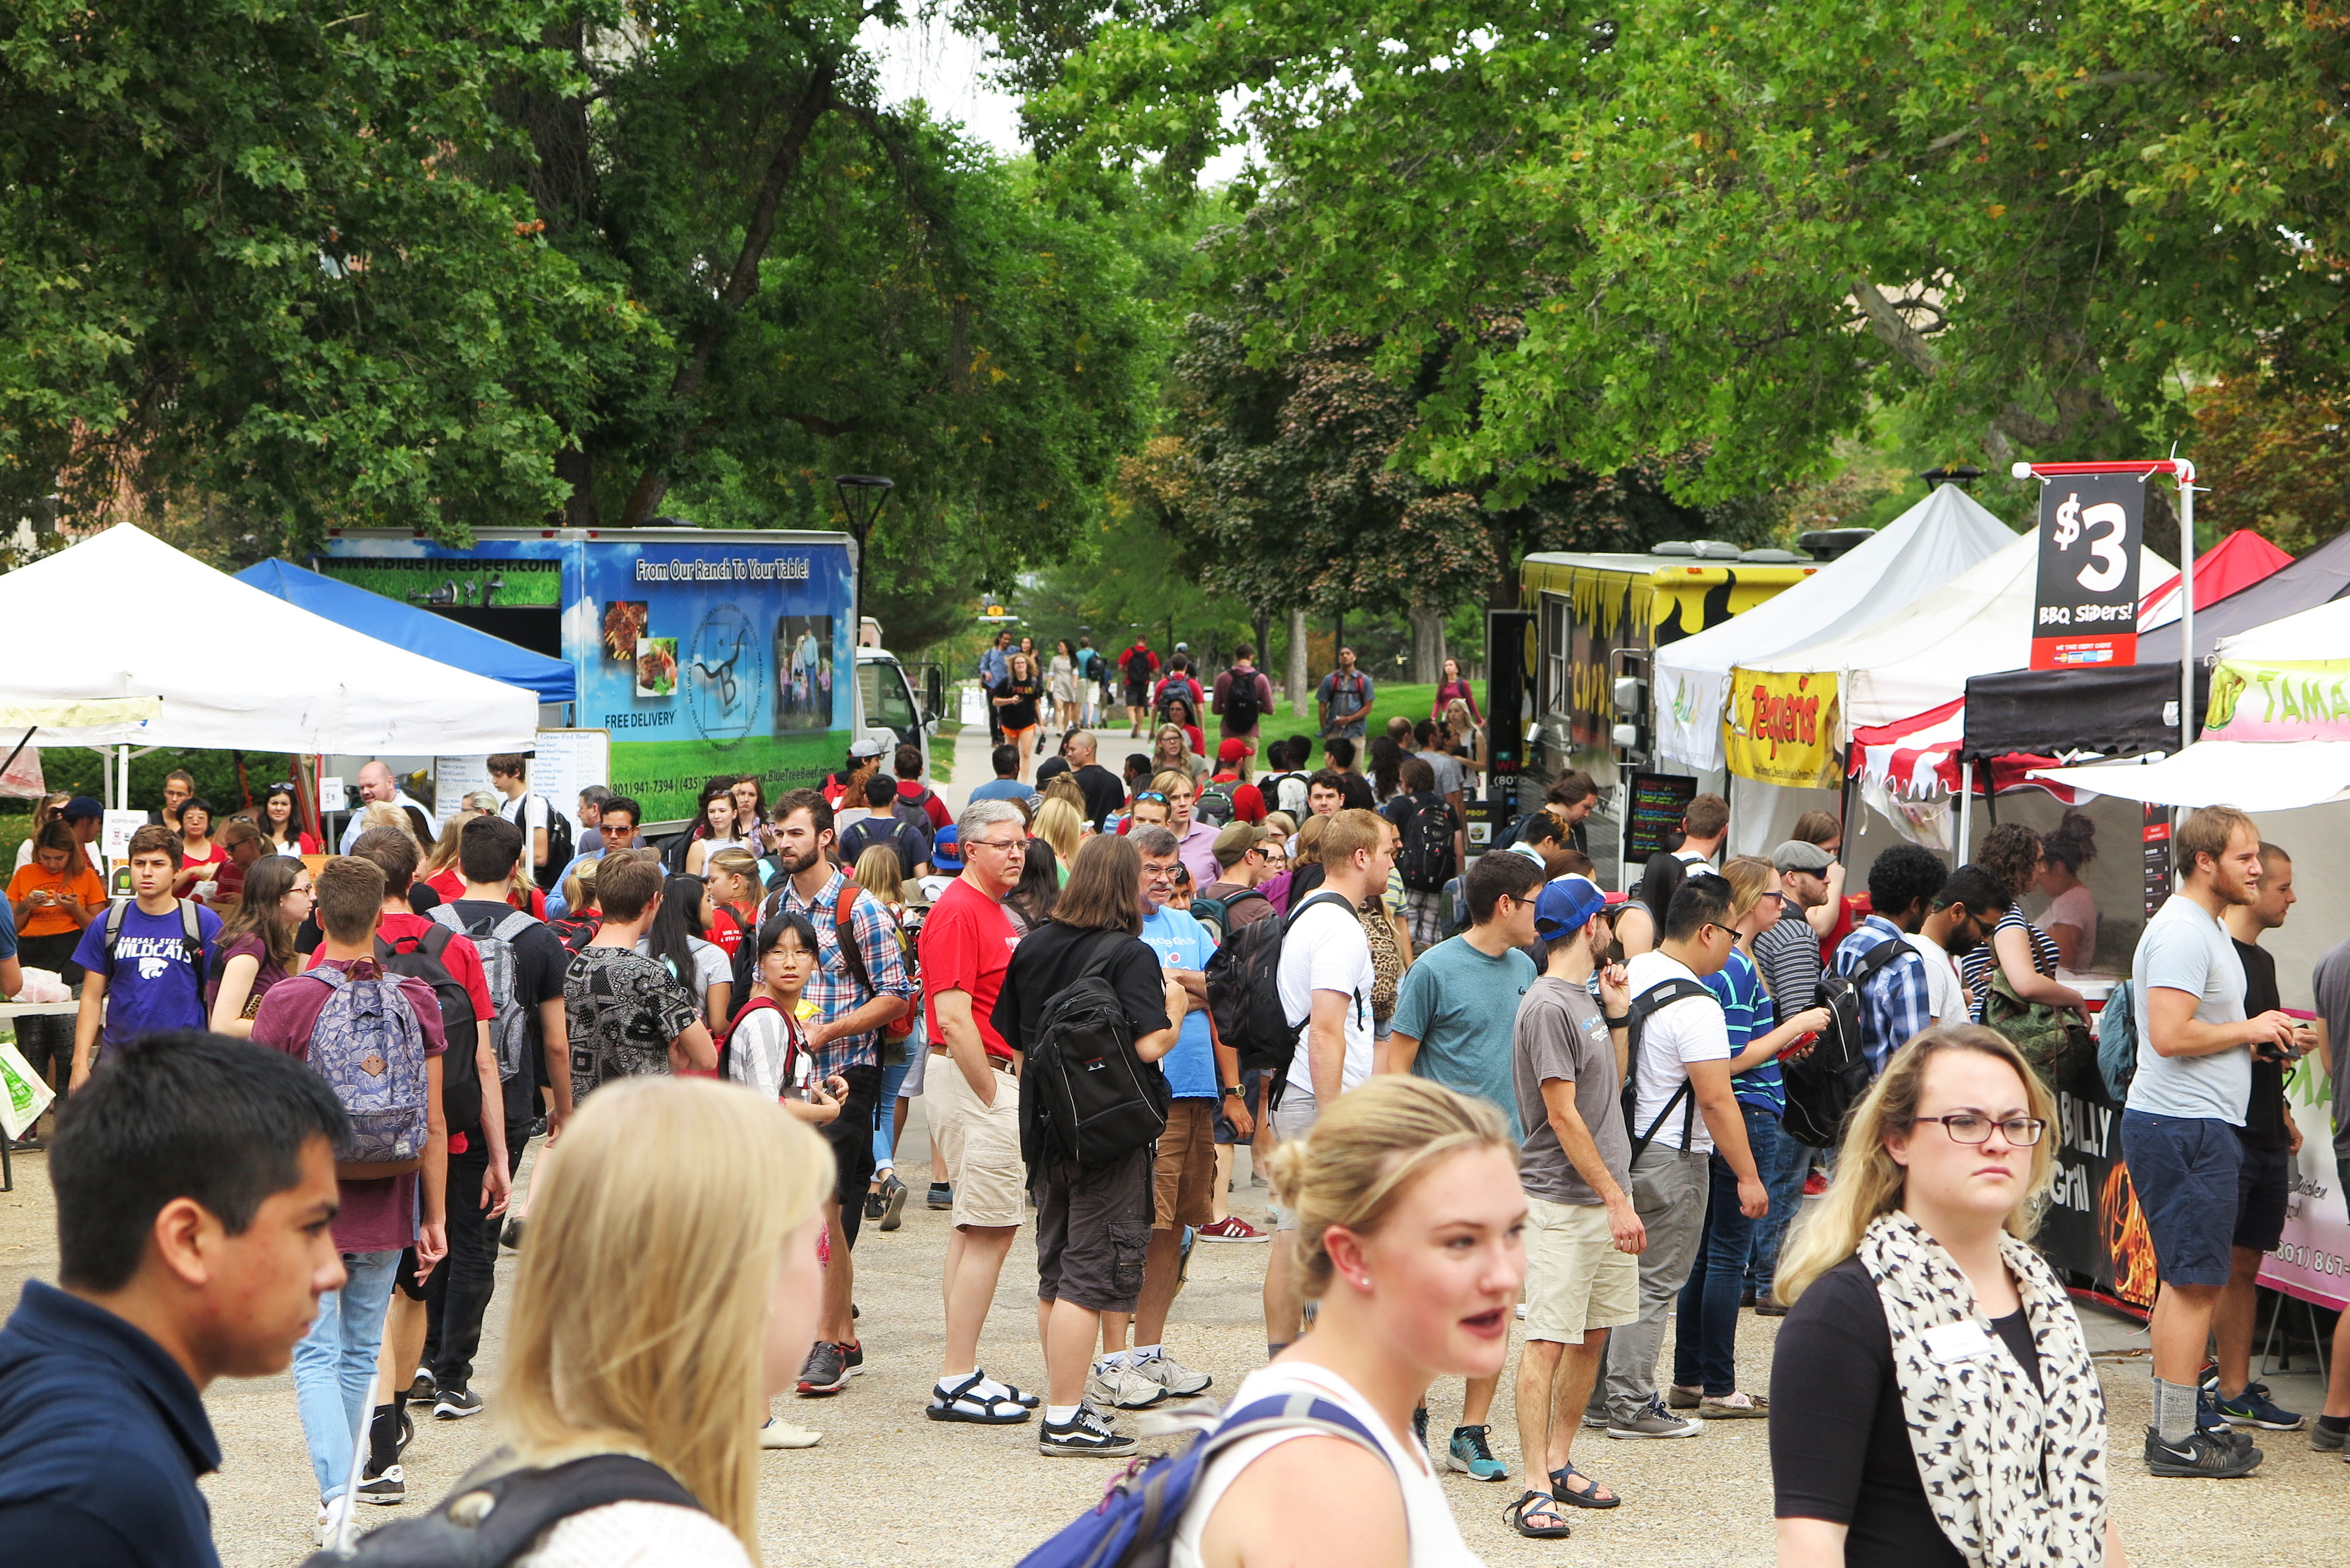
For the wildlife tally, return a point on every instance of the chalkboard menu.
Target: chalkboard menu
(2155, 837)
(1653, 809)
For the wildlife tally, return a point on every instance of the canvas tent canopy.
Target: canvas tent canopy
(1926, 547)
(437, 637)
(234, 667)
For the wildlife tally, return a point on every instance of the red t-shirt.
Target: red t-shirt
(1850, 912)
(966, 945)
(377, 1216)
(211, 860)
(934, 808)
(449, 883)
(725, 931)
(1248, 801)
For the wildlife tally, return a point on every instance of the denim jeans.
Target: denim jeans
(1705, 1334)
(1783, 1163)
(334, 1367)
(885, 1110)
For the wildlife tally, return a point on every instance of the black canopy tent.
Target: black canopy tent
(2126, 710)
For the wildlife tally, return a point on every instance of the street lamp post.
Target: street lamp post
(862, 497)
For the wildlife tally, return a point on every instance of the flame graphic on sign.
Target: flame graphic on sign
(2129, 1251)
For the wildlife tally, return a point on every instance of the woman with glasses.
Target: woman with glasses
(200, 857)
(1705, 1339)
(254, 949)
(1932, 1398)
(1171, 753)
(284, 824)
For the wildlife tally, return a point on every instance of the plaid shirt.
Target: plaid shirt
(1898, 1003)
(833, 988)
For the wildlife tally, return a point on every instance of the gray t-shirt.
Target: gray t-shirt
(2184, 948)
(2330, 980)
(1560, 1034)
(1446, 767)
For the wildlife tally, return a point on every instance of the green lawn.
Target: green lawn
(1411, 700)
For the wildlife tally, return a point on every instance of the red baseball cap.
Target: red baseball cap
(1233, 750)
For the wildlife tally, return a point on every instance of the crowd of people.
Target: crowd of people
(1483, 1090)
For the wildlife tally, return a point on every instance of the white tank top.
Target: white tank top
(1435, 1536)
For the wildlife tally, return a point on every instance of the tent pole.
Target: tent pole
(1966, 808)
(2187, 608)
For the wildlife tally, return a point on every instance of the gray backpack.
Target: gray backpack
(509, 1019)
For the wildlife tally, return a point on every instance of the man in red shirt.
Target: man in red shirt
(973, 1098)
(1248, 801)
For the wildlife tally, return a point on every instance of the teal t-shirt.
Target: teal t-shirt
(1461, 1006)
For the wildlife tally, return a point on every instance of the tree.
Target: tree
(1744, 232)
(237, 262)
(2275, 459)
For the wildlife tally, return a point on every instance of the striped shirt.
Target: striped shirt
(833, 988)
(1897, 1001)
(1750, 1015)
(1975, 969)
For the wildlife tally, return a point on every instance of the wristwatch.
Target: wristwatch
(1621, 1020)
(1235, 1091)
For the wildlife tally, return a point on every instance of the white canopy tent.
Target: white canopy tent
(1920, 657)
(1924, 548)
(2252, 775)
(229, 665)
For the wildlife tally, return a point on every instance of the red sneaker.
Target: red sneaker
(1815, 1184)
(1232, 1228)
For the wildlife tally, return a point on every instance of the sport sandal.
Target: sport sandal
(1593, 1495)
(964, 1402)
(1538, 1504)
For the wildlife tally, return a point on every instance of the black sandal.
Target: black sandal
(1562, 1492)
(963, 1402)
(1540, 1502)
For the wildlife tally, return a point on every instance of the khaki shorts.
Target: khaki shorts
(1292, 1120)
(980, 1145)
(1576, 1279)
(1183, 1183)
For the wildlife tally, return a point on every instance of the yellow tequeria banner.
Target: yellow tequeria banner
(1780, 729)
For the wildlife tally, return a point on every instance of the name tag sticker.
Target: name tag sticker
(1956, 1341)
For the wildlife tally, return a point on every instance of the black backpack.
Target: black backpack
(1425, 859)
(1241, 708)
(420, 958)
(488, 1524)
(1102, 1102)
(1827, 1081)
(558, 844)
(1244, 991)
(1645, 1006)
(1270, 785)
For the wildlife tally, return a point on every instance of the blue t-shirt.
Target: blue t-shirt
(8, 930)
(1002, 789)
(1182, 941)
(1747, 1008)
(160, 984)
(1462, 1007)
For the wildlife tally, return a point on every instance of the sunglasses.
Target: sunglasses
(1151, 795)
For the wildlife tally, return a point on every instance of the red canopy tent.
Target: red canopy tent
(2235, 563)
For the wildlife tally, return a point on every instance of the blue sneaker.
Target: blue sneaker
(2209, 1419)
(2254, 1407)
(1471, 1455)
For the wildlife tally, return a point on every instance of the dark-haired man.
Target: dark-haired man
(616, 828)
(905, 837)
(1242, 696)
(149, 979)
(1005, 784)
(1898, 1000)
(855, 995)
(1341, 754)
(1684, 1111)
(196, 1194)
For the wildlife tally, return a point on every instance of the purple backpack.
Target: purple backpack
(370, 1047)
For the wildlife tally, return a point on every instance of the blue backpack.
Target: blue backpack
(2117, 1042)
(1134, 1524)
(370, 1047)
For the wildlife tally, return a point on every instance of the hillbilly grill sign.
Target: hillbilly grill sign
(2090, 528)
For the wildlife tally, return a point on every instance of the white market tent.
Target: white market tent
(1924, 548)
(124, 615)
(1920, 657)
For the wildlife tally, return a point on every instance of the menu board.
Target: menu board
(1654, 807)
(563, 763)
(2154, 834)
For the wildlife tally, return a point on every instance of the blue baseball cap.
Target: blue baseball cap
(1566, 906)
(946, 849)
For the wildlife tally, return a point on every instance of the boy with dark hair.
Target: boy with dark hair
(1898, 1001)
(366, 1046)
(914, 793)
(147, 955)
(1339, 751)
(616, 828)
(628, 1015)
(195, 1184)
(1005, 784)
(906, 839)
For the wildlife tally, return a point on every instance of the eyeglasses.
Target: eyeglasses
(1966, 1127)
(1008, 845)
(1159, 873)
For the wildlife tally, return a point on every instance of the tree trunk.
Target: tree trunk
(1300, 693)
(1427, 645)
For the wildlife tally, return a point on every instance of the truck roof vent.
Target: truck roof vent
(1673, 547)
(1773, 558)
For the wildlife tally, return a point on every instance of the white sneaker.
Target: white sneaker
(323, 1531)
(1123, 1387)
(1173, 1376)
(778, 1434)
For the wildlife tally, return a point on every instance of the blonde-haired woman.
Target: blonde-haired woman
(670, 1288)
(1932, 1398)
(1409, 1222)
(1063, 826)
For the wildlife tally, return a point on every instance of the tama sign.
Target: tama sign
(2091, 525)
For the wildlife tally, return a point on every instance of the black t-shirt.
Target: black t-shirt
(1103, 791)
(1020, 713)
(1839, 1442)
(2264, 1110)
(1048, 960)
(540, 958)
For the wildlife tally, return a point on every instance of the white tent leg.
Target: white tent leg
(1966, 808)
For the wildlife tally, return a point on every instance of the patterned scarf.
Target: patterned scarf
(2016, 1480)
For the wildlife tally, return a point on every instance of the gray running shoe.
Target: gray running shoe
(1653, 1420)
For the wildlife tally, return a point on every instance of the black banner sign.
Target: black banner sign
(2090, 528)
